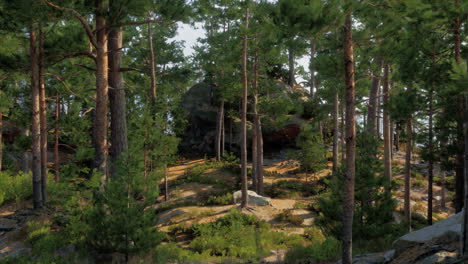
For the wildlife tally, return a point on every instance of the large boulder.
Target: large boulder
(252, 198)
(440, 233)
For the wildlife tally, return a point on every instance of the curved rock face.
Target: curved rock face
(201, 104)
(440, 233)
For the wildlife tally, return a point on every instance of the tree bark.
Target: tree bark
(343, 141)
(396, 142)
(36, 121)
(386, 127)
(430, 166)
(335, 131)
(374, 100)
(56, 145)
(312, 69)
(442, 192)
(407, 200)
(348, 191)
(166, 185)
(152, 62)
(254, 144)
(118, 108)
(464, 236)
(459, 170)
(292, 74)
(260, 185)
(244, 115)
(1, 141)
(223, 136)
(102, 93)
(219, 132)
(43, 116)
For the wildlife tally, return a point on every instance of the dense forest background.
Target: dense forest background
(115, 147)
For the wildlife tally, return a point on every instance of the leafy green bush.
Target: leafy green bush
(328, 250)
(15, 187)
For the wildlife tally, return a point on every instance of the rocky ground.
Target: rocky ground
(186, 212)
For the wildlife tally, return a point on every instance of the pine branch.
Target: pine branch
(78, 16)
(78, 54)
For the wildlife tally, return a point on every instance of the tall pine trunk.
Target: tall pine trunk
(407, 199)
(43, 115)
(56, 145)
(312, 83)
(1, 140)
(336, 124)
(348, 190)
(430, 166)
(292, 74)
(374, 100)
(118, 109)
(244, 115)
(260, 184)
(396, 142)
(219, 131)
(255, 129)
(254, 144)
(464, 236)
(342, 139)
(152, 63)
(102, 93)
(459, 170)
(36, 121)
(387, 127)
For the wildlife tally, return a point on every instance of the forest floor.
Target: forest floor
(187, 201)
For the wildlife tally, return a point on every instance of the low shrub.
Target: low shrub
(15, 187)
(238, 235)
(328, 250)
(288, 215)
(220, 199)
(314, 235)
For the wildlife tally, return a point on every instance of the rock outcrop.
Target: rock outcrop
(253, 198)
(440, 233)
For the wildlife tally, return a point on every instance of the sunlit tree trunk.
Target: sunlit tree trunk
(407, 199)
(244, 115)
(386, 128)
(43, 116)
(102, 93)
(335, 131)
(312, 83)
(348, 191)
(36, 121)
(219, 132)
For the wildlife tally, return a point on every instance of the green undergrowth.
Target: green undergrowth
(236, 236)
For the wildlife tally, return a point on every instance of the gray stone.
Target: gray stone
(389, 255)
(6, 228)
(63, 252)
(253, 198)
(441, 257)
(375, 258)
(442, 232)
